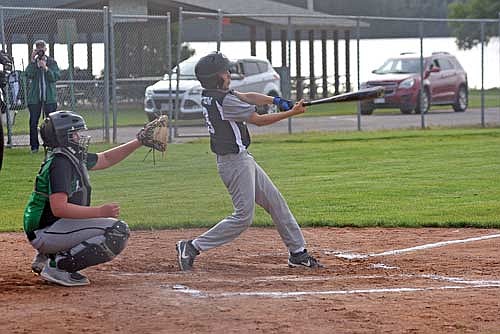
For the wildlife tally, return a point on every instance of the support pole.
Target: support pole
(336, 61)
(347, 36)
(253, 38)
(269, 38)
(220, 19)
(324, 71)
(312, 79)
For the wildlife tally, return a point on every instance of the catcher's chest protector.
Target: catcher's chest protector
(84, 187)
(225, 136)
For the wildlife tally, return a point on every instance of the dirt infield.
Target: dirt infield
(450, 283)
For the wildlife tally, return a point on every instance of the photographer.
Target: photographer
(43, 73)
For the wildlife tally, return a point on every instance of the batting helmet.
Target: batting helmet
(58, 128)
(208, 66)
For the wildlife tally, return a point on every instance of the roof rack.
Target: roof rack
(406, 53)
(441, 52)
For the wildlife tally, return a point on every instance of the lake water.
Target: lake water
(373, 52)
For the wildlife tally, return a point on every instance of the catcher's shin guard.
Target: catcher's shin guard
(96, 250)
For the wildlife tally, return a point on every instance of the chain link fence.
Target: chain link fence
(75, 39)
(119, 71)
(140, 65)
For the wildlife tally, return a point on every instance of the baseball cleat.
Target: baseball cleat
(52, 274)
(303, 259)
(39, 262)
(186, 254)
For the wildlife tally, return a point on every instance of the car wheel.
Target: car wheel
(424, 103)
(462, 99)
(366, 109)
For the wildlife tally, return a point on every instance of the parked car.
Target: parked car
(249, 74)
(445, 83)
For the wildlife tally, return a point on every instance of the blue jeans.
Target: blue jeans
(35, 111)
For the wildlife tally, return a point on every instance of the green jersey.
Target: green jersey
(57, 174)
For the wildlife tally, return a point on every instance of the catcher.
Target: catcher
(69, 234)
(226, 114)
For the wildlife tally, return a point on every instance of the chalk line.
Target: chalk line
(465, 284)
(355, 256)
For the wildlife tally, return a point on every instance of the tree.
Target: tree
(468, 34)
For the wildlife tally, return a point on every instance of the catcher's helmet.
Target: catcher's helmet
(58, 128)
(208, 66)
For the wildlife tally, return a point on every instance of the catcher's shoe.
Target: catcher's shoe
(303, 259)
(52, 274)
(39, 262)
(186, 254)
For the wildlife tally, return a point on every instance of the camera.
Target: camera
(40, 54)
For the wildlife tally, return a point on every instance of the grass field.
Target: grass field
(390, 178)
(134, 116)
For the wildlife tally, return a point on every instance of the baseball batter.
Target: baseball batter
(226, 113)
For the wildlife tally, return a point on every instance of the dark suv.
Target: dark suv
(445, 83)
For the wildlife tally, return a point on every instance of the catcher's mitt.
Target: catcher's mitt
(155, 134)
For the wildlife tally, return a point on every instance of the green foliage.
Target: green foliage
(445, 178)
(469, 34)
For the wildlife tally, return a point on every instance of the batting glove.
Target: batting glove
(282, 104)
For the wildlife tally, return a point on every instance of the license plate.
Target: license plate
(379, 100)
(165, 106)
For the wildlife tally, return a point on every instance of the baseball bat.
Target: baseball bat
(362, 94)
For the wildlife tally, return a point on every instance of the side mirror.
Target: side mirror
(236, 76)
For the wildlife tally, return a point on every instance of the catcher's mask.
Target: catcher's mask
(64, 129)
(208, 68)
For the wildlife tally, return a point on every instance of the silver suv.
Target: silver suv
(249, 74)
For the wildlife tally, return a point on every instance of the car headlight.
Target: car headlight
(195, 91)
(148, 92)
(408, 83)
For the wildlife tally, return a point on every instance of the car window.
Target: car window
(395, 65)
(263, 66)
(435, 63)
(445, 64)
(250, 68)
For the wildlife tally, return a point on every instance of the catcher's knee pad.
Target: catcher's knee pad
(96, 250)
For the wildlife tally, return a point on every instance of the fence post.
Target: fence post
(2, 31)
(289, 30)
(7, 113)
(114, 85)
(358, 33)
(178, 73)
(169, 70)
(482, 75)
(106, 74)
(421, 92)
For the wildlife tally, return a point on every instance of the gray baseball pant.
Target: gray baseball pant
(65, 233)
(248, 184)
